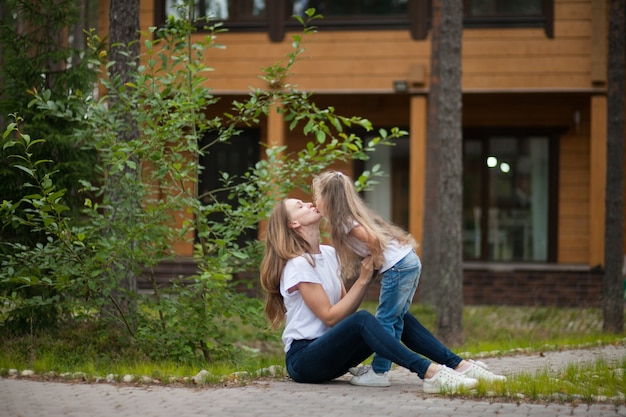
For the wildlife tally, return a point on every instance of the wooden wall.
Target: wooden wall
(510, 59)
(369, 61)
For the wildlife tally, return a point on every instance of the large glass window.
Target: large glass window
(234, 158)
(414, 15)
(354, 8)
(240, 14)
(503, 8)
(276, 16)
(506, 198)
(220, 9)
(509, 13)
(389, 197)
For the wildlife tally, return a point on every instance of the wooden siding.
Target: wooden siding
(500, 59)
(526, 59)
(369, 61)
(574, 190)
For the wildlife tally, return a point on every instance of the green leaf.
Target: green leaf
(11, 127)
(320, 135)
(25, 169)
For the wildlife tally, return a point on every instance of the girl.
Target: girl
(358, 232)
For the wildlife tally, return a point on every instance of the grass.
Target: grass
(596, 381)
(488, 331)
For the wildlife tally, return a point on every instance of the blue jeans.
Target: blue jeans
(354, 339)
(397, 289)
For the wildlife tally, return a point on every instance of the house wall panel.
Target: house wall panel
(574, 188)
(572, 10)
(352, 61)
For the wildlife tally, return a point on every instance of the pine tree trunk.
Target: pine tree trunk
(429, 280)
(613, 303)
(124, 30)
(449, 304)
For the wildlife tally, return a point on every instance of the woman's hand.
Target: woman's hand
(368, 272)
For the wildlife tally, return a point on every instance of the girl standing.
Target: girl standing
(358, 232)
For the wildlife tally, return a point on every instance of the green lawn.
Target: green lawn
(488, 331)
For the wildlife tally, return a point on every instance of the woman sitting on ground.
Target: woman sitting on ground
(324, 334)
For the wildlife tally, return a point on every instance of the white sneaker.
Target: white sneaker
(371, 379)
(359, 370)
(447, 380)
(480, 370)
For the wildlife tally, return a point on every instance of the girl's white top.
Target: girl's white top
(392, 254)
(300, 322)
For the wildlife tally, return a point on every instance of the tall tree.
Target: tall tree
(613, 311)
(124, 204)
(442, 240)
(432, 229)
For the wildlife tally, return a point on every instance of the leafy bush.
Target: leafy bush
(151, 178)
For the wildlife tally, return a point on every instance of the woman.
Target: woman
(324, 335)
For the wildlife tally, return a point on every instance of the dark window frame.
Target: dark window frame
(418, 21)
(545, 21)
(279, 20)
(554, 136)
(244, 148)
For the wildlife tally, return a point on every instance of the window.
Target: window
(240, 14)
(276, 16)
(413, 15)
(509, 13)
(389, 197)
(352, 12)
(235, 158)
(507, 200)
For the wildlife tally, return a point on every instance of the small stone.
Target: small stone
(27, 373)
(273, 370)
(200, 377)
(111, 378)
(127, 378)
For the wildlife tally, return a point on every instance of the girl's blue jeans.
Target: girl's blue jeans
(354, 339)
(397, 289)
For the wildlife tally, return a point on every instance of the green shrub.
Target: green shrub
(86, 265)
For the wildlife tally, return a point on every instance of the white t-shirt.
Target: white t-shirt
(300, 322)
(392, 254)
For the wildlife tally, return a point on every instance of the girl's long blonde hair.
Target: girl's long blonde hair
(343, 207)
(281, 244)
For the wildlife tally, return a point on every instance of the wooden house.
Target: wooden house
(534, 83)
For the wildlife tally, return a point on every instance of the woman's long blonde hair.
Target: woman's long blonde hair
(281, 244)
(343, 207)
